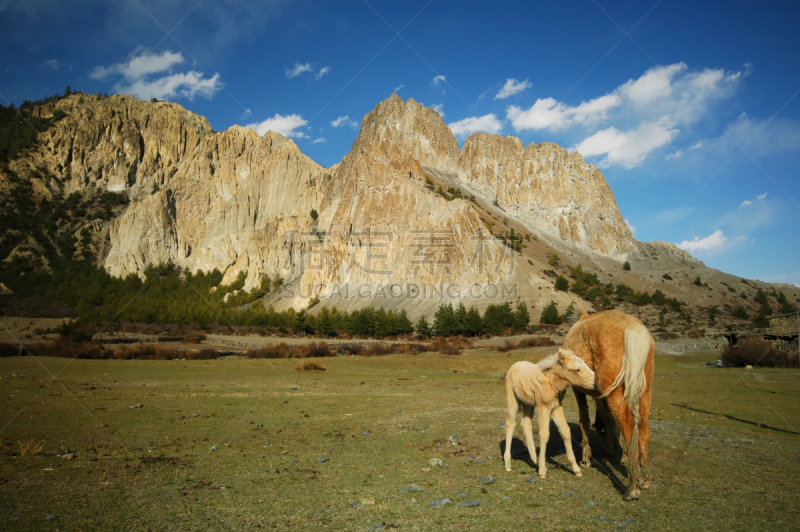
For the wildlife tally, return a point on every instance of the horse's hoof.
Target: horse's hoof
(508, 469)
(578, 474)
(632, 495)
(542, 475)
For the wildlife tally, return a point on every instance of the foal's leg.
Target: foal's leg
(511, 422)
(563, 429)
(544, 434)
(583, 409)
(527, 428)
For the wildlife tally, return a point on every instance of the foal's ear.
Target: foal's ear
(562, 356)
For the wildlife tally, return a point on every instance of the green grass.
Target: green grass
(153, 468)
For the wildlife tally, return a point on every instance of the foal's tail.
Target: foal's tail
(632, 374)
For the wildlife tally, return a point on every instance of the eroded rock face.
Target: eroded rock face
(240, 202)
(545, 186)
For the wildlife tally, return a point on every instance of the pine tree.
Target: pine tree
(550, 314)
(521, 317)
(472, 322)
(444, 320)
(422, 329)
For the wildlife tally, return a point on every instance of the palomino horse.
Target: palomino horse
(542, 385)
(619, 349)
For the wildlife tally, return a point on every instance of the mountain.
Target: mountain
(407, 217)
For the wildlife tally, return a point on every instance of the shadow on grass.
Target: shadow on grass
(555, 447)
(734, 418)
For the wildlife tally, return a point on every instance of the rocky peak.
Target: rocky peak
(396, 127)
(549, 189)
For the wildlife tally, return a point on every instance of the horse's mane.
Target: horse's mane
(549, 362)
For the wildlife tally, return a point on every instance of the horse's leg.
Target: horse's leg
(583, 409)
(527, 428)
(644, 439)
(563, 428)
(611, 434)
(624, 417)
(511, 422)
(544, 435)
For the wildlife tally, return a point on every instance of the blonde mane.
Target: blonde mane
(548, 362)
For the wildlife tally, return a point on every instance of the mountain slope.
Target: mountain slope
(406, 214)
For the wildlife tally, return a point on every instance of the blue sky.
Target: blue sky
(691, 109)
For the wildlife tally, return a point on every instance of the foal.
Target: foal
(542, 386)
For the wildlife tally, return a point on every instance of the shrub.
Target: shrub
(562, 283)
(667, 276)
(626, 266)
(758, 352)
(509, 345)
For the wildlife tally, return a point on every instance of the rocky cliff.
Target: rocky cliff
(549, 189)
(241, 202)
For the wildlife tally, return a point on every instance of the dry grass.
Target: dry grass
(309, 365)
(536, 341)
(30, 447)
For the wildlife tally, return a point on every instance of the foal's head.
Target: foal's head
(575, 370)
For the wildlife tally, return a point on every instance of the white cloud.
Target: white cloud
(438, 79)
(319, 141)
(697, 146)
(713, 241)
(654, 84)
(630, 226)
(487, 124)
(344, 121)
(662, 101)
(439, 108)
(302, 68)
(628, 148)
(139, 77)
(322, 71)
(761, 197)
(745, 203)
(674, 155)
(550, 114)
(512, 87)
(55, 64)
(139, 66)
(397, 89)
(298, 69)
(285, 125)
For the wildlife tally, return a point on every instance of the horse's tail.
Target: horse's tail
(632, 374)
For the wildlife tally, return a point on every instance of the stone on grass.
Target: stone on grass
(321, 459)
(215, 448)
(377, 527)
(590, 504)
(486, 479)
(437, 462)
(453, 439)
(532, 480)
(426, 469)
(468, 504)
(439, 503)
(51, 517)
(414, 487)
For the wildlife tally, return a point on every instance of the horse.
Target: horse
(542, 386)
(619, 349)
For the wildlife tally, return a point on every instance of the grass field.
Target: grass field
(340, 449)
